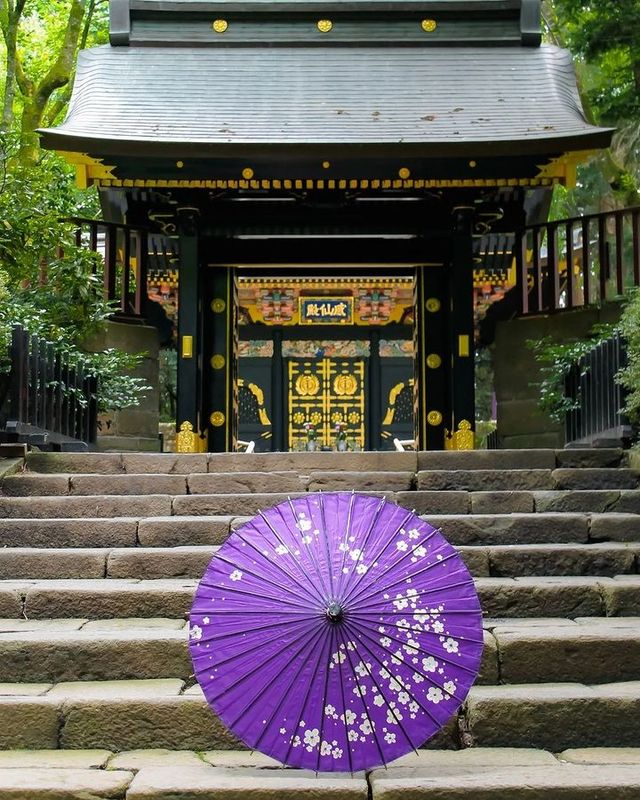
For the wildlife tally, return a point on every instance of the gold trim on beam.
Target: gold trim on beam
(89, 171)
(563, 170)
(321, 183)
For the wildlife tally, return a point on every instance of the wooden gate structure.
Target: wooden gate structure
(297, 140)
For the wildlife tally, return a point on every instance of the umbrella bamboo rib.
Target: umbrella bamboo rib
(389, 706)
(350, 594)
(324, 700)
(344, 547)
(467, 582)
(326, 543)
(426, 676)
(376, 516)
(277, 535)
(237, 590)
(310, 549)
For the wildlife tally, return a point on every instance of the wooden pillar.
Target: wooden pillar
(373, 395)
(221, 412)
(461, 330)
(432, 361)
(188, 420)
(278, 417)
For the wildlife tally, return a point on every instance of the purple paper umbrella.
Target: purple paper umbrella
(336, 632)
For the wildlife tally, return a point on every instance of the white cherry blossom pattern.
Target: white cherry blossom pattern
(195, 632)
(236, 575)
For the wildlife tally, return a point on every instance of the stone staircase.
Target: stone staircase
(100, 555)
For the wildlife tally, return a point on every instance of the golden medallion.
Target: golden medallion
(345, 385)
(220, 25)
(434, 361)
(428, 25)
(307, 385)
(434, 418)
(404, 173)
(298, 417)
(217, 419)
(324, 25)
(218, 305)
(218, 361)
(247, 173)
(433, 305)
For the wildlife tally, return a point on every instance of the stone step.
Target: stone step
(111, 650)
(555, 716)
(605, 559)
(485, 773)
(172, 463)
(149, 714)
(428, 503)
(537, 596)
(234, 483)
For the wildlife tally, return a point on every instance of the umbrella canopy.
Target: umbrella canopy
(336, 632)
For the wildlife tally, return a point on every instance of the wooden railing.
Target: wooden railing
(124, 250)
(51, 402)
(578, 262)
(591, 383)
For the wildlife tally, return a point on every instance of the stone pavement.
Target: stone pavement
(100, 555)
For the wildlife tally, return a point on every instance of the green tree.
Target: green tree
(42, 39)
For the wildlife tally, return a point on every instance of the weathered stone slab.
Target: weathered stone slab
(429, 503)
(567, 781)
(483, 529)
(540, 655)
(22, 625)
(339, 480)
(590, 457)
(63, 784)
(90, 506)
(561, 559)
(610, 623)
(239, 758)
(158, 562)
(165, 463)
(245, 482)
(489, 670)
(622, 596)
(11, 602)
(24, 689)
(108, 598)
(53, 759)
(540, 597)
(175, 723)
(28, 723)
(481, 480)
(85, 532)
(514, 624)
(28, 484)
(486, 459)
(135, 624)
(627, 503)
(597, 501)
(595, 478)
(552, 716)
(87, 485)
(476, 560)
(602, 755)
(143, 759)
(614, 528)
(32, 563)
(304, 463)
(198, 783)
(227, 504)
(502, 502)
(104, 463)
(476, 757)
(87, 691)
(187, 530)
(94, 655)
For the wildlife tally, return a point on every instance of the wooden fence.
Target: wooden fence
(51, 402)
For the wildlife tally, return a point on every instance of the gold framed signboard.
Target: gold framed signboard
(325, 310)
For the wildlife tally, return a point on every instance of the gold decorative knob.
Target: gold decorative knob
(218, 361)
(434, 361)
(218, 305)
(247, 173)
(220, 25)
(433, 305)
(428, 25)
(217, 419)
(324, 25)
(404, 173)
(434, 418)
